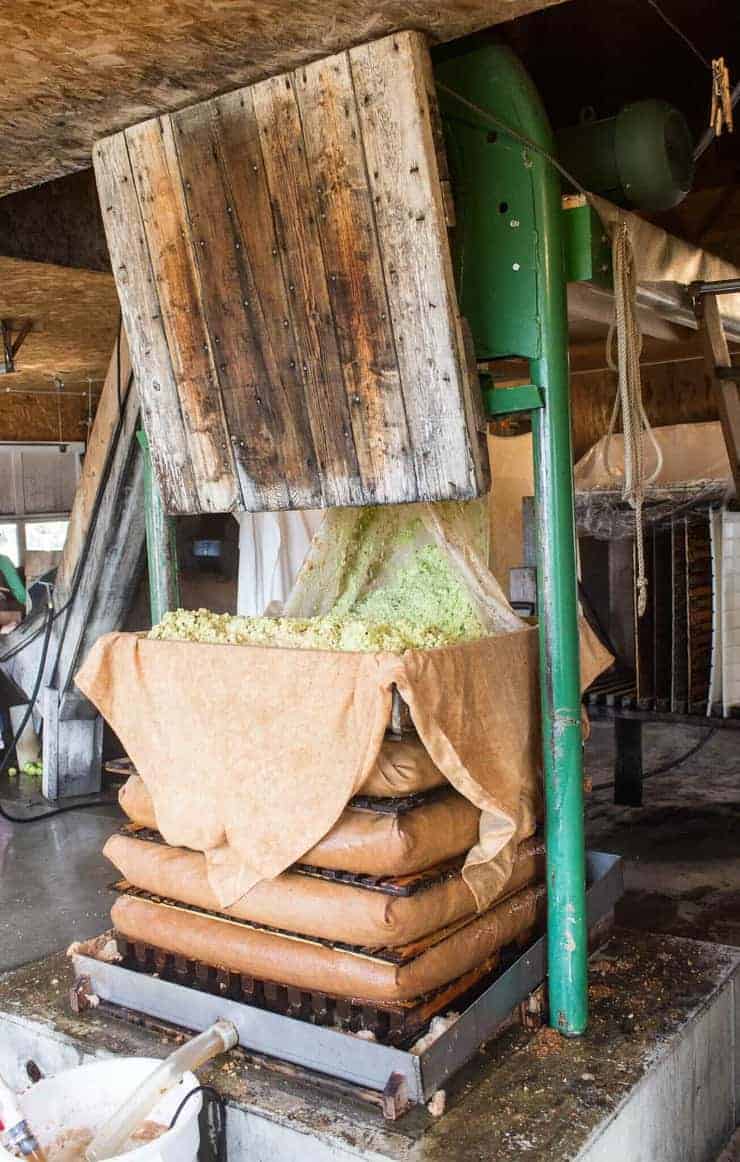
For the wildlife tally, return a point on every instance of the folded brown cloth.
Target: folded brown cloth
(366, 842)
(304, 964)
(293, 736)
(310, 905)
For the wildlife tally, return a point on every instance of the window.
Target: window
(9, 542)
(48, 535)
(37, 487)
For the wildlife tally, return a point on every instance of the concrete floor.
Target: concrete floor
(682, 847)
(53, 879)
(682, 851)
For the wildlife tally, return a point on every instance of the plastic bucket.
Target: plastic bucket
(82, 1099)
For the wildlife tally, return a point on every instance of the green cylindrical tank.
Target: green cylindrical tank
(642, 158)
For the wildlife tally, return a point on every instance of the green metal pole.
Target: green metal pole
(161, 544)
(557, 601)
(510, 269)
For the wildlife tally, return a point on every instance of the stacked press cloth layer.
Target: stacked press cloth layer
(405, 925)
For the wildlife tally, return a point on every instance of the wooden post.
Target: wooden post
(628, 762)
(727, 389)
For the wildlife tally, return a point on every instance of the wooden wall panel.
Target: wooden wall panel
(282, 259)
(33, 417)
(674, 393)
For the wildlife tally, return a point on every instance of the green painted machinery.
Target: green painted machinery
(511, 276)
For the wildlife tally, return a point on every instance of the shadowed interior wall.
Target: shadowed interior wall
(33, 417)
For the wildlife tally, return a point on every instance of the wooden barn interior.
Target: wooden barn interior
(370, 580)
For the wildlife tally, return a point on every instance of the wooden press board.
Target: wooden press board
(282, 260)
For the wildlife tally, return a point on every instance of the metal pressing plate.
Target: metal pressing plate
(337, 1054)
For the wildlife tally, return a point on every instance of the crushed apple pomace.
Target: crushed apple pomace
(423, 606)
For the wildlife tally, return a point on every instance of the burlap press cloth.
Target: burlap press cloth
(305, 964)
(367, 842)
(310, 905)
(251, 754)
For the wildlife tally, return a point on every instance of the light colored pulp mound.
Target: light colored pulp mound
(423, 606)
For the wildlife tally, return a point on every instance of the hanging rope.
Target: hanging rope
(628, 398)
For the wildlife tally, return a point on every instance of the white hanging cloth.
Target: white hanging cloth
(272, 546)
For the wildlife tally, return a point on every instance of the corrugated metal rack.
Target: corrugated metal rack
(615, 696)
(390, 1024)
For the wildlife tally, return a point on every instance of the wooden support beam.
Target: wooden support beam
(97, 577)
(99, 589)
(72, 751)
(628, 762)
(727, 391)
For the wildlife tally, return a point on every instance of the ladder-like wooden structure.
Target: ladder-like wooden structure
(96, 583)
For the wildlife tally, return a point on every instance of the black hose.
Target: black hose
(48, 625)
(669, 766)
(220, 1104)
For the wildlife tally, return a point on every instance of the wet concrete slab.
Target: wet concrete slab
(53, 877)
(681, 849)
(657, 1067)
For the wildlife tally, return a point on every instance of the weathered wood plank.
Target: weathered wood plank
(290, 244)
(164, 216)
(288, 180)
(97, 452)
(102, 582)
(239, 156)
(344, 212)
(142, 320)
(272, 446)
(389, 79)
(118, 560)
(727, 391)
(224, 288)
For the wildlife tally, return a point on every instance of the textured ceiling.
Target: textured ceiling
(74, 315)
(75, 71)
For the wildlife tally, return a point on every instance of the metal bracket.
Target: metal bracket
(11, 346)
(587, 247)
(80, 993)
(722, 286)
(505, 401)
(396, 1098)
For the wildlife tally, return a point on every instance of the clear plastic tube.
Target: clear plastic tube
(15, 1133)
(111, 1137)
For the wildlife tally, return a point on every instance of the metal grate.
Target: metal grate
(396, 1024)
(407, 885)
